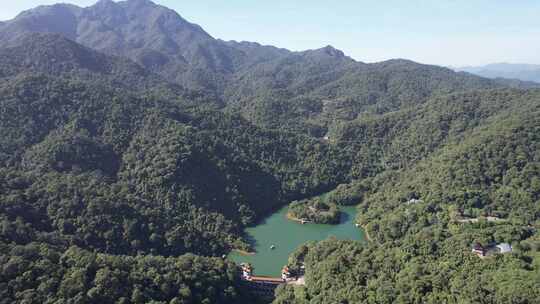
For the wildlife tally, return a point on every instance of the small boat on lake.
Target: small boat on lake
(272, 247)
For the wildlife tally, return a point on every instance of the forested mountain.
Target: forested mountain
(524, 72)
(152, 35)
(305, 91)
(116, 172)
(318, 88)
(135, 149)
(98, 153)
(417, 216)
(55, 55)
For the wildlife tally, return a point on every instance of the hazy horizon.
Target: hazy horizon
(447, 33)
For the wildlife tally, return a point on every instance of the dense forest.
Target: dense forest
(132, 157)
(41, 273)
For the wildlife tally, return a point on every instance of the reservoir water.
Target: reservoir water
(287, 235)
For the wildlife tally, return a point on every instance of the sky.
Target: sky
(443, 32)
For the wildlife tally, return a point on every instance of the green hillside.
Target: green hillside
(420, 245)
(135, 149)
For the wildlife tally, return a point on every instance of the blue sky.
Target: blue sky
(444, 32)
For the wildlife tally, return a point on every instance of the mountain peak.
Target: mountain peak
(147, 2)
(327, 51)
(332, 51)
(139, 3)
(105, 3)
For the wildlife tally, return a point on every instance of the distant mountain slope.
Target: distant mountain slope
(524, 72)
(314, 89)
(150, 34)
(53, 54)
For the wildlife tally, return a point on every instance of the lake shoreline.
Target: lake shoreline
(243, 252)
(366, 233)
(295, 219)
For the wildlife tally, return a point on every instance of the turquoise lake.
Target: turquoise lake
(287, 235)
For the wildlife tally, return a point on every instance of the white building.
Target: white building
(414, 201)
(504, 248)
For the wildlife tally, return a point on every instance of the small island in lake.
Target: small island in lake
(315, 211)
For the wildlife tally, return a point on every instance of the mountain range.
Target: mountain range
(135, 149)
(239, 75)
(523, 72)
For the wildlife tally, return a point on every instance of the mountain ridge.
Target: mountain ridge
(164, 43)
